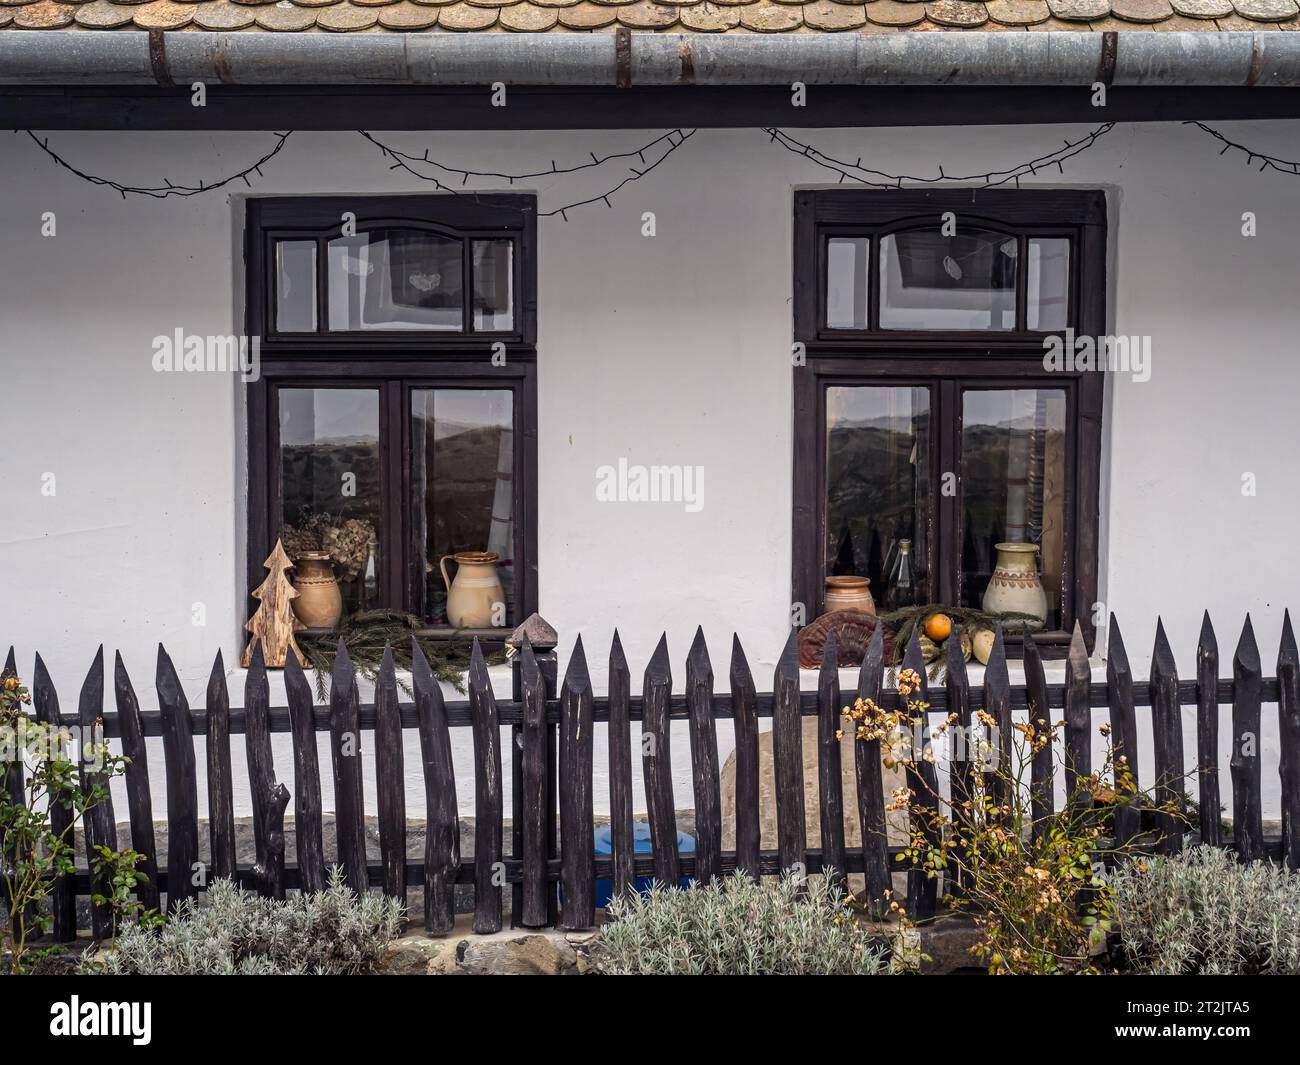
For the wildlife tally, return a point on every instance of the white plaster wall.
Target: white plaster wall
(672, 349)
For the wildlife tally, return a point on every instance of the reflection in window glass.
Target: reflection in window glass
(295, 286)
(877, 481)
(1048, 283)
(966, 281)
(1013, 486)
(846, 282)
(329, 484)
(462, 496)
(494, 286)
(396, 279)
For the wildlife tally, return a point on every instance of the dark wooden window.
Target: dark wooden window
(923, 408)
(398, 390)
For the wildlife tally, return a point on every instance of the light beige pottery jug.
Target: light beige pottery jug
(476, 591)
(319, 604)
(1014, 586)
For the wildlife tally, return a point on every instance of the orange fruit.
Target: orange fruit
(938, 627)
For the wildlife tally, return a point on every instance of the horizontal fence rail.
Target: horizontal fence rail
(551, 867)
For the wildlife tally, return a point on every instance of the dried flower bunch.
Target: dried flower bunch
(346, 541)
(1205, 913)
(735, 927)
(237, 933)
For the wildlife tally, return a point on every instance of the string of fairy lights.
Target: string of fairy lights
(635, 164)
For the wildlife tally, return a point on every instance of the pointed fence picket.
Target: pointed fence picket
(553, 859)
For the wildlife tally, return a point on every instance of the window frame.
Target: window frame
(395, 363)
(948, 362)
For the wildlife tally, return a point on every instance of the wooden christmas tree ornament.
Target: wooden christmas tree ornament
(274, 621)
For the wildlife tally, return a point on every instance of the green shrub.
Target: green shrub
(1204, 913)
(237, 933)
(735, 927)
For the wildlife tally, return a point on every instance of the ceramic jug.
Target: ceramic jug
(1015, 586)
(473, 596)
(849, 593)
(319, 603)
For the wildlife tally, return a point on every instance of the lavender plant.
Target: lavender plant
(237, 933)
(735, 927)
(1204, 913)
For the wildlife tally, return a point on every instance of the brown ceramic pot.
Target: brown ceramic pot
(849, 593)
(319, 604)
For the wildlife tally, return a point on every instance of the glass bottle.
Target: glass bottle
(900, 590)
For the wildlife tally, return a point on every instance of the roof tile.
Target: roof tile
(646, 15)
(1079, 10)
(1203, 8)
(1018, 12)
(708, 17)
(1267, 10)
(828, 15)
(44, 15)
(1141, 10)
(345, 18)
(284, 17)
(163, 15)
(407, 16)
(895, 13)
(528, 18)
(768, 17)
(460, 16)
(101, 15)
(959, 13)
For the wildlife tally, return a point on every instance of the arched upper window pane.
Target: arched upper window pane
(396, 279)
(932, 281)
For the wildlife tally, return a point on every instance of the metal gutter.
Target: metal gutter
(1131, 57)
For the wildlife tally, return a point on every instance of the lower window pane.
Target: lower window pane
(329, 490)
(462, 496)
(877, 484)
(1013, 501)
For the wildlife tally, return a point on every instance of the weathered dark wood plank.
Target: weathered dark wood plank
(221, 794)
(257, 749)
(962, 779)
(1123, 721)
(308, 829)
(704, 761)
(268, 870)
(830, 720)
(1167, 741)
(345, 757)
(535, 901)
(656, 764)
(1078, 724)
(997, 704)
(871, 785)
(14, 784)
(63, 900)
(923, 780)
(487, 796)
(182, 785)
(622, 843)
(1288, 715)
(1207, 734)
(390, 779)
(442, 821)
(138, 798)
(1247, 815)
(1042, 801)
(99, 824)
(744, 716)
(577, 850)
(787, 759)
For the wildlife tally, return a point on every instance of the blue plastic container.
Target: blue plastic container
(640, 845)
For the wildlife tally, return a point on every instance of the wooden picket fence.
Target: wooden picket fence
(552, 868)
